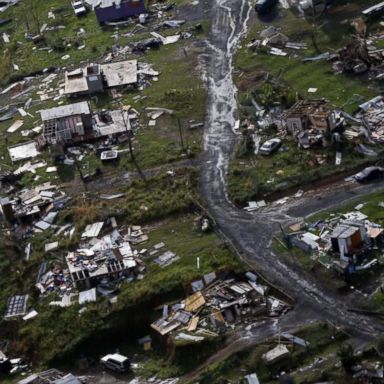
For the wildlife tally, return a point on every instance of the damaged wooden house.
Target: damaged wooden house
(108, 258)
(72, 122)
(310, 121)
(38, 205)
(217, 305)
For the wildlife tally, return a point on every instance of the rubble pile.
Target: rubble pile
(342, 242)
(216, 305)
(55, 280)
(105, 260)
(276, 42)
(39, 206)
(358, 57)
(371, 115)
(369, 370)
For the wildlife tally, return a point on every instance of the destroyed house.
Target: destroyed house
(88, 271)
(96, 78)
(348, 237)
(67, 123)
(52, 376)
(31, 204)
(221, 304)
(111, 256)
(109, 123)
(115, 10)
(310, 114)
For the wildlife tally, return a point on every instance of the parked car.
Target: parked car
(270, 146)
(116, 362)
(369, 173)
(79, 8)
(264, 5)
(109, 155)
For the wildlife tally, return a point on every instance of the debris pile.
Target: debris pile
(310, 120)
(342, 242)
(276, 42)
(53, 376)
(218, 304)
(109, 258)
(39, 206)
(371, 115)
(369, 370)
(359, 56)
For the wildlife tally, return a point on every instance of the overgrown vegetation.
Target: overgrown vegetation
(322, 339)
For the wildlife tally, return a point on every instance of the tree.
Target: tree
(347, 357)
(380, 346)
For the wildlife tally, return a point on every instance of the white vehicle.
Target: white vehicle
(116, 362)
(79, 7)
(109, 155)
(270, 146)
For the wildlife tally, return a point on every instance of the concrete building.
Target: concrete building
(96, 78)
(84, 81)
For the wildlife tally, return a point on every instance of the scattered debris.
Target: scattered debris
(216, 305)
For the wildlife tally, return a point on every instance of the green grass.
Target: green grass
(258, 176)
(322, 338)
(329, 36)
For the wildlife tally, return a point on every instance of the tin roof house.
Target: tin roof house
(70, 122)
(115, 10)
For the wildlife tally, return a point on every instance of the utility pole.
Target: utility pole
(81, 174)
(181, 134)
(129, 133)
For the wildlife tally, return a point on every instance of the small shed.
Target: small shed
(346, 238)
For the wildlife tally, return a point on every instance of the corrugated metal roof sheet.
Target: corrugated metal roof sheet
(252, 379)
(92, 230)
(65, 111)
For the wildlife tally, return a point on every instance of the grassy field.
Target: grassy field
(283, 80)
(322, 338)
